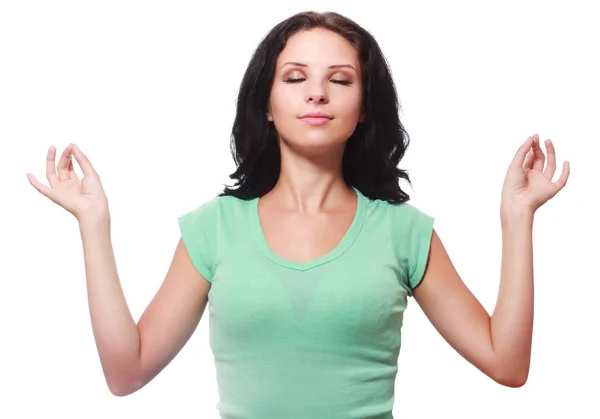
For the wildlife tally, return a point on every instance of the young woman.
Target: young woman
(308, 260)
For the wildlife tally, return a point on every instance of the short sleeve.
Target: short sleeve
(198, 232)
(413, 230)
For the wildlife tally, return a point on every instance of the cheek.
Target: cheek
(350, 115)
(281, 102)
(357, 102)
(349, 102)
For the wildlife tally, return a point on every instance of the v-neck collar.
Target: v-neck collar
(344, 244)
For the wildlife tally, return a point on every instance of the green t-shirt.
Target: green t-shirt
(314, 340)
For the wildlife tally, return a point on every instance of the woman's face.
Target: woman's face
(317, 71)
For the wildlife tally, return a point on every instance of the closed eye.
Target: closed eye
(343, 82)
(298, 80)
(291, 80)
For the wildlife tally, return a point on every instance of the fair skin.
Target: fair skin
(310, 207)
(131, 354)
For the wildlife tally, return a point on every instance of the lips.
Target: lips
(316, 118)
(315, 121)
(317, 114)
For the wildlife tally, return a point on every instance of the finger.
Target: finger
(521, 153)
(63, 164)
(50, 167)
(72, 173)
(540, 158)
(41, 188)
(564, 176)
(551, 164)
(528, 164)
(84, 163)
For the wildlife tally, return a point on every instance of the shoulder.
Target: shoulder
(212, 209)
(410, 224)
(412, 230)
(401, 215)
(408, 209)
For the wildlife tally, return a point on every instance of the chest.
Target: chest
(301, 238)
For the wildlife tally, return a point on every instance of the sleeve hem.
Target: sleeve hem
(193, 251)
(423, 256)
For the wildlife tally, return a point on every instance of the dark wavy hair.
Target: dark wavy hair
(373, 151)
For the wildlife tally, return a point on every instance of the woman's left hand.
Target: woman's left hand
(528, 185)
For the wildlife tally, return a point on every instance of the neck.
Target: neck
(310, 184)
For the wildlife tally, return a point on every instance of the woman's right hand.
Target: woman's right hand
(84, 198)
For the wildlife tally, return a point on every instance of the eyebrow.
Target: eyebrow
(305, 65)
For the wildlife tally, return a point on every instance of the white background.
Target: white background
(147, 90)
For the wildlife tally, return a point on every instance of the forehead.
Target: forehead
(318, 47)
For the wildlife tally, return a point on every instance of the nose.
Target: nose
(317, 94)
(318, 98)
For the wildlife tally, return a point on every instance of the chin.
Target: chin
(316, 144)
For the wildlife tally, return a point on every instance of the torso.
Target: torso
(301, 238)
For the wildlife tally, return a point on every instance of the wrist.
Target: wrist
(516, 216)
(94, 222)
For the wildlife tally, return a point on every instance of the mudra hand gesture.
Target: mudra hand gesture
(84, 198)
(528, 185)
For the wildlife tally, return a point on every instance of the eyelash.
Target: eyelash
(342, 82)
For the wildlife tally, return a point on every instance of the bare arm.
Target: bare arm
(132, 355)
(172, 316)
(512, 320)
(499, 345)
(115, 331)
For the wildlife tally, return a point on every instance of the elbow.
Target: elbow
(121, 389)
(513, 378)
(115, 391)
(118, 391)
(510, 369)
(122, 386)
(513, 381)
